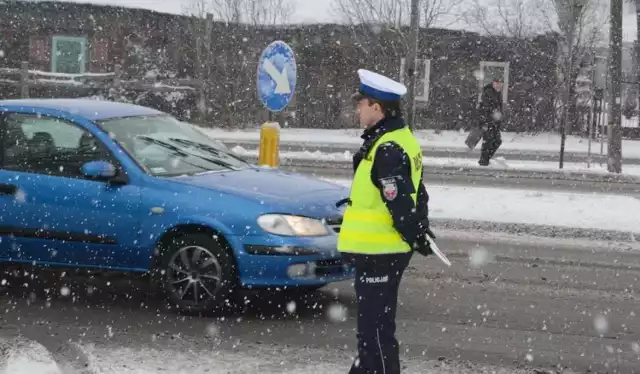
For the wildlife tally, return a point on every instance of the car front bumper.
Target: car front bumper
(270, 261)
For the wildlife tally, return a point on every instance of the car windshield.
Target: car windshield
(165, 146)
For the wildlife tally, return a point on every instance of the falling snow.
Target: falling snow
(138, 241)
(291, 307)
(479, 257)
(601, 324)
(337, 313)
(212, 330)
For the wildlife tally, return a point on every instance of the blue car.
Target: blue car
(104, 185)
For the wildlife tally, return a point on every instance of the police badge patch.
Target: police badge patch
(389, 188)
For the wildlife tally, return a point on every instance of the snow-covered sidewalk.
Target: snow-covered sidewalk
(206, 358)
(546, 142)
(500, 163)
(550, 208)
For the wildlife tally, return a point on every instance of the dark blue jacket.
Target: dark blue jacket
(392, 162)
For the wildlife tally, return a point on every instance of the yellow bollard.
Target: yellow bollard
(269, 144)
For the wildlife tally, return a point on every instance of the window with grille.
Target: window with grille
(69, 54)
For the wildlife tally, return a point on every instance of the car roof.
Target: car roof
(93, 110)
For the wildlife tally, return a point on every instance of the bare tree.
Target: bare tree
(217, 23)
(580, 25)
(394, 16)
(200, 27)
(637, 60)
(228, 11)
(266, 12)
(512, 18)
(577, 23)
(255, 12)
(580, 20)
(392, 13)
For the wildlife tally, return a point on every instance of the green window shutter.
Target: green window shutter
(69, 54)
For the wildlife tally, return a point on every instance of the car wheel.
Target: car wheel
(199, 274)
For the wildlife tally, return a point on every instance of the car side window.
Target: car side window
(46, 145)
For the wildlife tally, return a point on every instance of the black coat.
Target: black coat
(491, 102)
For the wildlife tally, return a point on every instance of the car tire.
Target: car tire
(199, 274)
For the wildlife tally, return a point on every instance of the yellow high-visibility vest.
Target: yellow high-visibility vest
(367, 225)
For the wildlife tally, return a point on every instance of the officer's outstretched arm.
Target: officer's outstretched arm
(391, 173)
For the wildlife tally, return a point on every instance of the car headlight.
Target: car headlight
(286, 225)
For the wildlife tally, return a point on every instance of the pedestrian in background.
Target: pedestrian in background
(385, 221)
(490, 116)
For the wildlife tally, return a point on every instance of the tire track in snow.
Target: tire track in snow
(70, 359)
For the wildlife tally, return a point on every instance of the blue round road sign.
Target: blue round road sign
(277, 76)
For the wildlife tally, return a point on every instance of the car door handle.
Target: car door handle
(8, 189)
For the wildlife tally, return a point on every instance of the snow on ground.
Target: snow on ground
(21, 356)
(246, 359)
(201, 357)
(552, 208)
(429, 139)
(499, 163)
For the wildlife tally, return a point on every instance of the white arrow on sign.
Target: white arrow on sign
(281, 78)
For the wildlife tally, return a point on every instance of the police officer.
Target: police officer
(385, 220)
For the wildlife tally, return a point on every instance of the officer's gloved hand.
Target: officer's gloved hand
(424, 227)
(422, 245)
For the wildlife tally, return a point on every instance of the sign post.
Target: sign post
(276, 84)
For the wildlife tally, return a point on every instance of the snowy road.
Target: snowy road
(527, 145)
(510, 304)
(499, 164)
(491, 177)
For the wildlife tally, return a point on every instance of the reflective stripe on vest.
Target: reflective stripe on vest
(367, 226)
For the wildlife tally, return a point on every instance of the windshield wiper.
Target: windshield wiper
(175, 149)
(207, 147)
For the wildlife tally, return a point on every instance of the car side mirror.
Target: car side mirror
(101, 170)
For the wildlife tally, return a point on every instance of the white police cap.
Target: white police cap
(379, 87)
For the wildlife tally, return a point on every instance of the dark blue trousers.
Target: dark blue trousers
(376, 284)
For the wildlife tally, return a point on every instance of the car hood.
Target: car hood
(275, 189)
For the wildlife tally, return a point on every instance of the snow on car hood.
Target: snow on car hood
(292, 192)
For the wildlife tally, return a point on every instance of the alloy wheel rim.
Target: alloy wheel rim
(194, 275)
